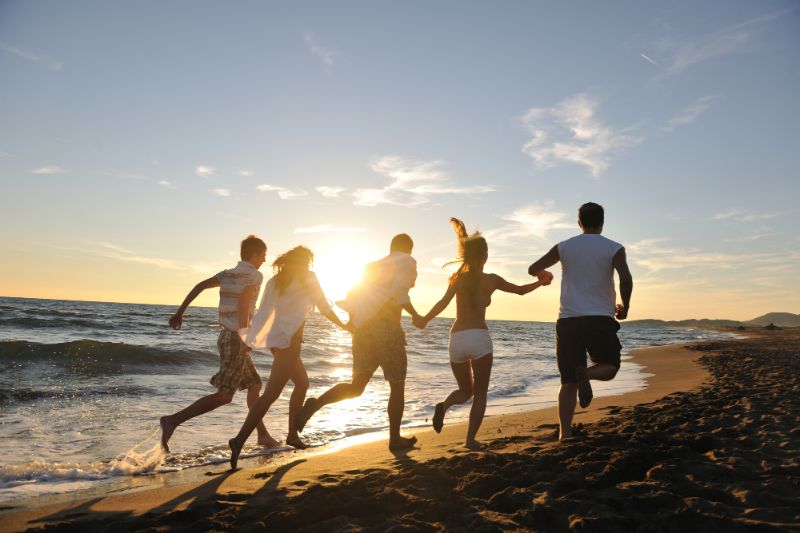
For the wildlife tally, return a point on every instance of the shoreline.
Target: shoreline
(674, 368)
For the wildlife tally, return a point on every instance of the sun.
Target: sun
(339, 267)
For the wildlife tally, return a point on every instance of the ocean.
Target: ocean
(83, 384)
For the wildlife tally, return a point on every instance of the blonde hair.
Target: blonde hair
(290, 265)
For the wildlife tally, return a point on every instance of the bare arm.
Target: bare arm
(176, 320)
(438, 306)
(502, 285)
(546, 261)
(330, 315)
(625, 284)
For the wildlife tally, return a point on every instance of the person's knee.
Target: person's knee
(467, 391)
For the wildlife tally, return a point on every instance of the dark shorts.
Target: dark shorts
(380, 343)
(236, 368)
(575, 336)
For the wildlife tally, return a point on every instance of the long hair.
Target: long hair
(472, 253)
(290, 265)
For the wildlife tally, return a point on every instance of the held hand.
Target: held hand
(419, 322)
(545, 277)
(176, 320)
(349, 326)
(620, 312)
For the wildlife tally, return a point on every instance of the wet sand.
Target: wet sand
(710, 444)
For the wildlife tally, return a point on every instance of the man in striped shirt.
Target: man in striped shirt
(238, 291)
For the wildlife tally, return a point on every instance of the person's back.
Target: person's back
(472, 299)
(587, 283)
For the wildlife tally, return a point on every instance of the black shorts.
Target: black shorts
(575, 336)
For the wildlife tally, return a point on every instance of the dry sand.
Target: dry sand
(711, 444)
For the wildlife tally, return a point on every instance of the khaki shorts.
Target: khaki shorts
(236, 369)
(380, 343)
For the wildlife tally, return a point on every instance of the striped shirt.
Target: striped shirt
(232, 283)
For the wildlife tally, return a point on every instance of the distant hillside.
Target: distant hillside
(784, 320)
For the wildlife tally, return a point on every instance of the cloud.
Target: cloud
(569, 132)
(330, 192)
(744, 215)
(681, 56)
(119, 253)
(167, 184)
(221, 192)
(205, 171)
(39, 59)
(324, 54)
(535, 220)
(246, 173)
(6, 155)
(283, 192)
(649, 60)
(328, 228)
(50, 169)
(690, 113)
(413, 183)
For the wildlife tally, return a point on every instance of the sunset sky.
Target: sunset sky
(141, 141)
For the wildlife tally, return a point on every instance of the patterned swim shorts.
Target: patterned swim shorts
(380, 343)
(236, 369)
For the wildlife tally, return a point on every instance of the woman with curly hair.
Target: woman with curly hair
(289, 297)
(470, 342)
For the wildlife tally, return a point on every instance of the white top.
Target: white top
(232, 283)
(279, 316)
(385, 280)
(587, 280)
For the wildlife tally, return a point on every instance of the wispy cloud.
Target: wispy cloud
(569, 132)
(679, 56)
(222, 192)
(167, 184)
(690, 113)
(6, 155)
(120, 253)
(39, 59)
(325, 55)
(536, 220)
(50, 169)
(283, 192)
(745, 215)
(205, 171)
(330, 192)
(246, 173)
(413, 183)
(329, 228)
(649, 60)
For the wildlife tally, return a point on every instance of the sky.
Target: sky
(141, 141)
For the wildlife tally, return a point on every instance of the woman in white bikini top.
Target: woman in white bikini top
(470, 342)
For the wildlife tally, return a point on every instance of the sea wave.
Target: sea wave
(26, 322)
(103, 355)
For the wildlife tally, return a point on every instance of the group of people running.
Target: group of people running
(586, 324)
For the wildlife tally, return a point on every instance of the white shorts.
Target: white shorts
(469, 344)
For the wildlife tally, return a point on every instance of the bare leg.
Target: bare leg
(601, 372)
(483, 371)
(463, 374)
(200, 407)
(300, 380)
(282, 367)
(395, 409)
(264, 438)
(567, 398)
(337, 393)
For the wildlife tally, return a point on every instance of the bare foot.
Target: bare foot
(236, 449)
(584, 387)
(167, 429)
(438, 417)
(402, 443)
(474, 444)
(308, 409)
(268, 442)
(296, 442)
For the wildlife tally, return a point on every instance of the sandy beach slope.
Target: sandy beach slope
(711, 444)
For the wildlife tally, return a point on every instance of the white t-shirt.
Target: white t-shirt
(279, 316)
(587, 280)
(232, 283)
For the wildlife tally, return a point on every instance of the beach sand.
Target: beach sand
(711, 444)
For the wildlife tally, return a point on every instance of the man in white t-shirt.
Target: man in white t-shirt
(586, 320)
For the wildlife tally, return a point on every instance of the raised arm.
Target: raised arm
(438, 306)
(625, 284)
(176, 320)
(500, 284)
(546, 261)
